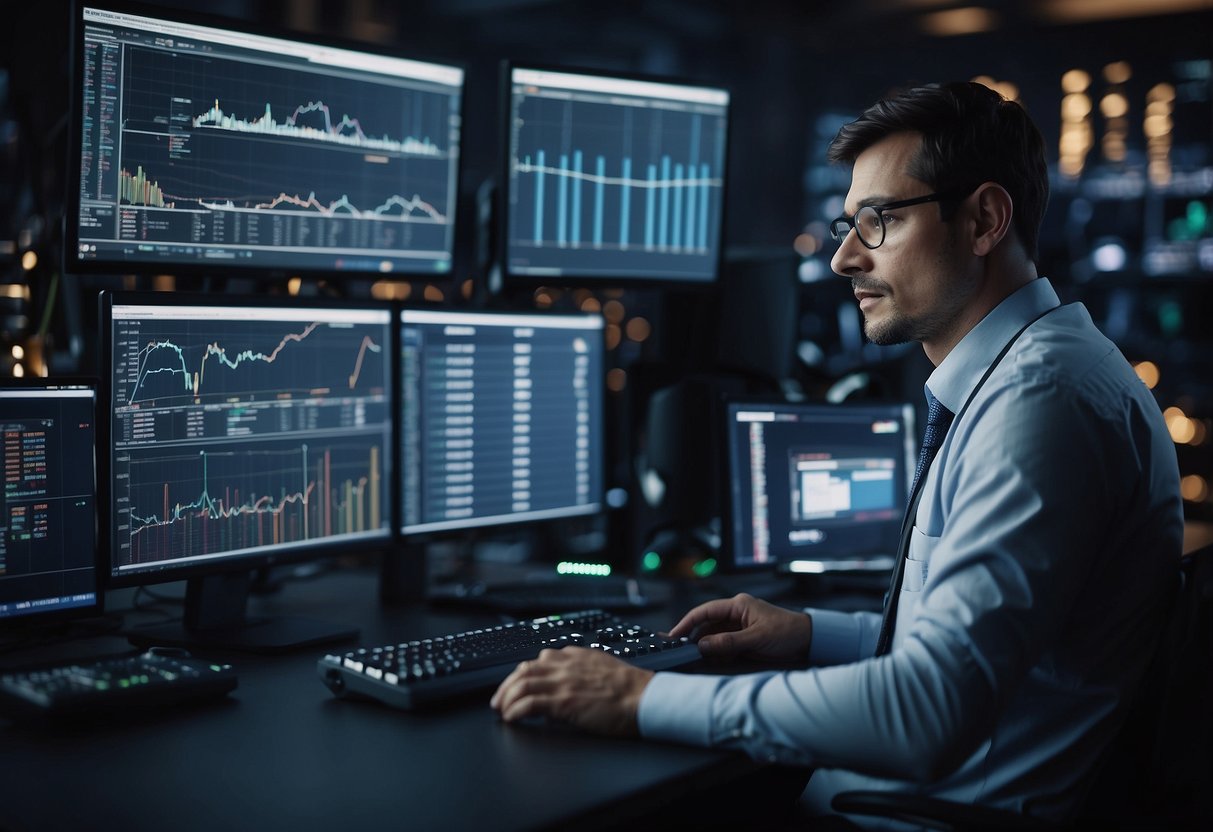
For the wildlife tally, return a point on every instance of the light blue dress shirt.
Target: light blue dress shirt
(1046, 541)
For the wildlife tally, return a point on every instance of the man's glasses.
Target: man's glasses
(868, 221)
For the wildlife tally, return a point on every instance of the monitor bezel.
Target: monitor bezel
(428, 531)
(15, 624)
(316, 550)
(727, 562)
(71, 216)
(516, 281)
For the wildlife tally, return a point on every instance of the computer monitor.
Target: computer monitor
(199, 145)
(502, 418)
(242, 433)
(816, 487)
(48, 528)
(612, 179)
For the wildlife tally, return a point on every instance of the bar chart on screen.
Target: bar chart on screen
(659, 205)
(614, 176)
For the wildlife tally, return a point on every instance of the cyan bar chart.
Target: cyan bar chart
(603, 184)
(681, 215)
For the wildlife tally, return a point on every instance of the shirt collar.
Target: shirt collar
(956, 376)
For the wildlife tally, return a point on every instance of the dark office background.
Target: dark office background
(1128, 229)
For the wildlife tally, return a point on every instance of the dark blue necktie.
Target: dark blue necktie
(939, 419)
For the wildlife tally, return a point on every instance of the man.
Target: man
(1044, 542)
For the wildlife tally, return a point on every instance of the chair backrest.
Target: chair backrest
(1159, 772)
(1161, 767)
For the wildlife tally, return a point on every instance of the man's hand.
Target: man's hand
(583, 687)
(745, 627)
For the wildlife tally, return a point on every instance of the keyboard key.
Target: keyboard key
(113, 684)
(424, 673)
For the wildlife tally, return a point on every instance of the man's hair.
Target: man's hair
(970, 135)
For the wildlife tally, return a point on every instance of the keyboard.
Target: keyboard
(537, 596)
(422, 673)
(114, 684)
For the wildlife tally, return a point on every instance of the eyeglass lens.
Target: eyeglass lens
(867, 222)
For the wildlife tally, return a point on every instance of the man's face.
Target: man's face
(912, 287)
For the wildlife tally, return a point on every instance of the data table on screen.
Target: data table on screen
(502, 418)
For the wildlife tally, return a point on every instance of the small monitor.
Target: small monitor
(242, 433)
(817, 487)
(199, 144)
(502, 418)
(613, 179)
(48, 529)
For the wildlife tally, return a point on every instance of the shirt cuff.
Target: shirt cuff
(839, 637)
(678, 707)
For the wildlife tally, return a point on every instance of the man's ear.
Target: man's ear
(992, 215)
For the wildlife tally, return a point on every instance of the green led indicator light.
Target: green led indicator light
(599, 570)
(704, 567)
(652, 561)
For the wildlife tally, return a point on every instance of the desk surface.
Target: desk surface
(282, 752)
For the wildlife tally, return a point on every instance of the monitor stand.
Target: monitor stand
(843, 590)
(216, 617)
(403, 574)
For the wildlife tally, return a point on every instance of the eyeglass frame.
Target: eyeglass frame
(938, 196)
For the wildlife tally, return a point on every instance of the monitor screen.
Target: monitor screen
(502, 418)
(611, 178)
(244, 432)
(204, 146)
(48, 530)
(817, 487)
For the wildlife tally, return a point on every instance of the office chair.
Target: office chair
(1158, 774)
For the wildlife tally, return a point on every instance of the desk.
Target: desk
(281, 752)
